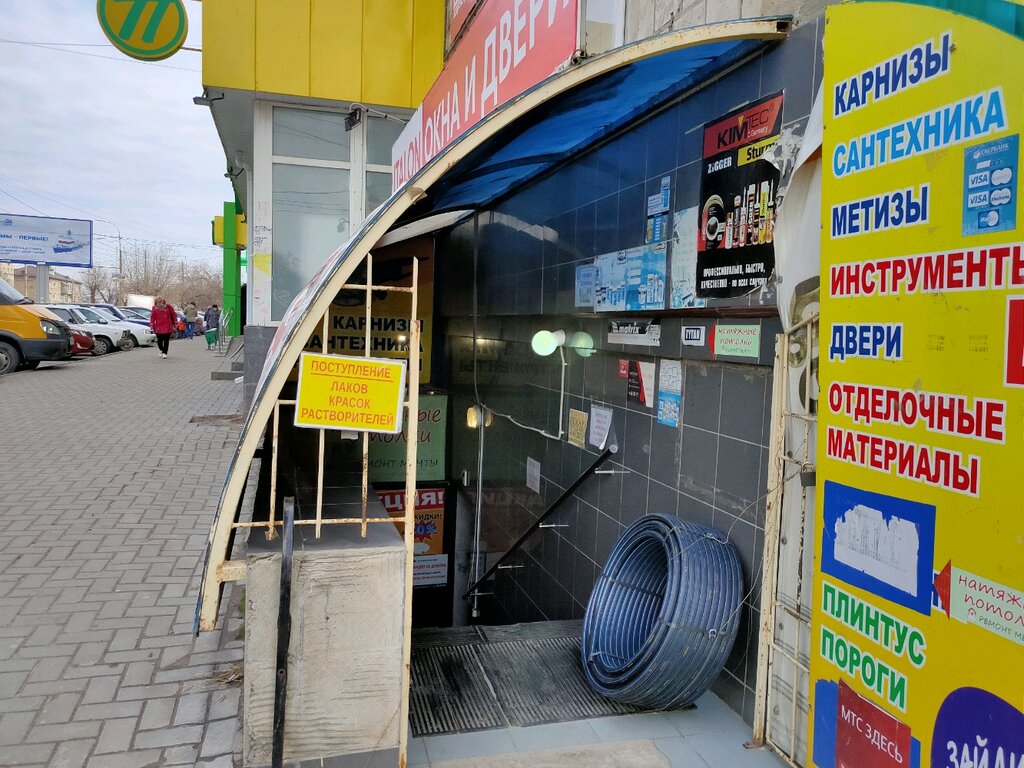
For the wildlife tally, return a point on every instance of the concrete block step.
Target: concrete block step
(238, 365)
(224, 375)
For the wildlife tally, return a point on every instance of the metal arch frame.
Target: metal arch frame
(313, 302)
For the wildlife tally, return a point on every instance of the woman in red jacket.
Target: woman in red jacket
(163, 320)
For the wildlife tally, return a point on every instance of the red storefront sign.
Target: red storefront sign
(1015, 341)
(509, 46)
(867, 735)
(458, 13)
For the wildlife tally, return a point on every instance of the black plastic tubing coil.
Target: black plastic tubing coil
(663, 615)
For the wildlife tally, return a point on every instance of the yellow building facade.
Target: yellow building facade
(307, 97)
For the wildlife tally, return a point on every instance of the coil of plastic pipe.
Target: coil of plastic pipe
(663, 616)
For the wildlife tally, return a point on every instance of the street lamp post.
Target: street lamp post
(120, 263)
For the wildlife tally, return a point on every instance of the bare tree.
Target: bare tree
(199, 283)
(149, 271)
(99, 285)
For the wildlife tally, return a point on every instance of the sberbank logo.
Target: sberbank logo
(144, 29)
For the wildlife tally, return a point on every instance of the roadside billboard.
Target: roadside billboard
(45, 240)
(917, 636)
(508, 47)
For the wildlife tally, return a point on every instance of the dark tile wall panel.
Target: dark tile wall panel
(518, 262)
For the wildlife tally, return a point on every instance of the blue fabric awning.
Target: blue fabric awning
(571, 123)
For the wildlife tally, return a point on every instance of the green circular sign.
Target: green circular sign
(149, 30)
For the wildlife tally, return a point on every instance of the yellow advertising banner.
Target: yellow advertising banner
(917, 638)
(352, 393)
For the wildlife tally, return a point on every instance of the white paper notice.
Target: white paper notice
(533, 475)
(600, 423)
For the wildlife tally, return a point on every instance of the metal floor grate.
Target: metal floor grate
(486, 679)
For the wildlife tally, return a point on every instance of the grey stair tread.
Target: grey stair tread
(534, 630)
(433, 636)
(541, 681)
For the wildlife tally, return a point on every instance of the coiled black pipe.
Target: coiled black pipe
(663, 615)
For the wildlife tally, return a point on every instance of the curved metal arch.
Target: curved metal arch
(309, 306)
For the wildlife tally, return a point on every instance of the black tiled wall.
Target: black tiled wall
(524, 253)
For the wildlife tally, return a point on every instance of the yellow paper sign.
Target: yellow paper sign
(353, 393)
(917, 636)
(577, 427)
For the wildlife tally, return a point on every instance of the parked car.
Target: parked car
(118, 314)
(141, 334)
(107, 336)
(135, 313)
(29, 333)
(84, 343)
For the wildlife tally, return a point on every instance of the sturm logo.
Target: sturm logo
(7, 223)
(144, 29)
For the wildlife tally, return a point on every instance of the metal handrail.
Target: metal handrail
(223, 337)
(537, 523)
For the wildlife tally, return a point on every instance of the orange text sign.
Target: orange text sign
(351, 393)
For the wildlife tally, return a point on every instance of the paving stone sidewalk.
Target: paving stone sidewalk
(107, 494)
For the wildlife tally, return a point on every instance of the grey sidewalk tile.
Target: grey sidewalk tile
(626, 727)
(679, 753)
(27, 754)
(184, 755)
(14, 726)
(116, 736)
(158, 713)
(140, 759)
(169, 737)
(63, 731)
(192, 708)
(109, 711)
(71, 754)
(219, 738)
(468, 745)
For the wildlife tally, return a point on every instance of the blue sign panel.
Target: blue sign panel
(882, 544)
(990, 187)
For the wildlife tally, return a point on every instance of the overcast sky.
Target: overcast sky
(110, 138)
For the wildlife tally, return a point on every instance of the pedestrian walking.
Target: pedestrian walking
(191, 313)
(211, 318)
(163, 320)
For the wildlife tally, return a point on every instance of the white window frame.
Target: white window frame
(264, 160)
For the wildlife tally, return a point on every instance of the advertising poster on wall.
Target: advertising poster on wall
(659, 207)
(640, 384)
(733, 340)
(917, 635)
(632, 280)
(635, 332)
(684, 261)
(387, 452)
(736, 217)
(670, 392)
(430, 561)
